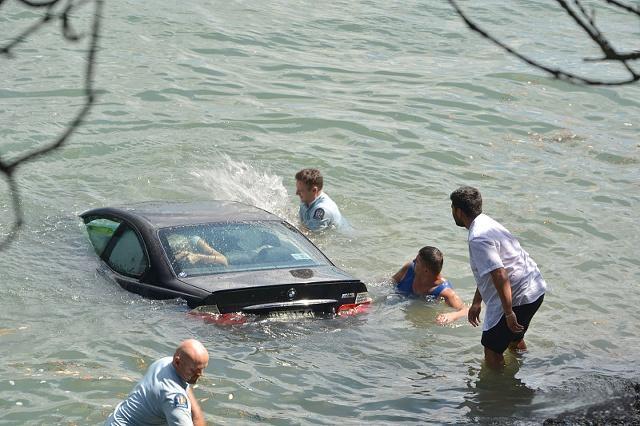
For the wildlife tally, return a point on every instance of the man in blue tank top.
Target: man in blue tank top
(422, 277)
(317, 210)
(163, 396)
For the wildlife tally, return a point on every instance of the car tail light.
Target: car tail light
(211, 314)
(229, 319)
(206, 309)
(362, 304)
(350, 309)
(232, 318)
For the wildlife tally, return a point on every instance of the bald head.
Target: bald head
(192, 349)
(190, 360)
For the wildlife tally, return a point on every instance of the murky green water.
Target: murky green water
(398, 104)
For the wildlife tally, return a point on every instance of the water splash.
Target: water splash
(239, 181)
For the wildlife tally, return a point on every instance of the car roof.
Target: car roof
(162, 214)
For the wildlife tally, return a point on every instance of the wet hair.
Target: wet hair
(432, 257)
(467, 199)
(310, 177)
(178, 242)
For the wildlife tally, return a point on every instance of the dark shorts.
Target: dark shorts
(499, 336)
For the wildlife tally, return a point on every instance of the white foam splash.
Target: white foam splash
(239, 181)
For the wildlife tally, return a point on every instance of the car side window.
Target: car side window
(100, 231)
(127, 256)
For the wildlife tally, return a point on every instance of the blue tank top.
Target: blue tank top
(405, 285)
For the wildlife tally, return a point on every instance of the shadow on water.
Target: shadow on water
(595, 400)
(500, 398)
(498, 395)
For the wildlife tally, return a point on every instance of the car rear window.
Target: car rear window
(233, 247)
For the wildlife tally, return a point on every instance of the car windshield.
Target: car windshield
(233, 247)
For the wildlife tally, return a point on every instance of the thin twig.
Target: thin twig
(555, 72)
(623, 6)
(39, 4)
(6, 50)
(17, 209)
(592, 31)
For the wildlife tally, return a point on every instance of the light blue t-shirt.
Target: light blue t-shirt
(320, 214)
(160, 398)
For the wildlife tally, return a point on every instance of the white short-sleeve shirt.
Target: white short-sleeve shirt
(320, 214)
(492, 246)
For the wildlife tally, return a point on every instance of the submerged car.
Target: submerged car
(222, 257)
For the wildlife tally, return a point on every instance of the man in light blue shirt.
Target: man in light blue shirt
(163, 396)
(317, 210)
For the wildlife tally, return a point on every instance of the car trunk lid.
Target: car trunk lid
(262, 278)
(316, 297)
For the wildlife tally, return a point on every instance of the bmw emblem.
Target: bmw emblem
(291, 293)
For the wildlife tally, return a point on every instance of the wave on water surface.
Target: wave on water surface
(239, 181)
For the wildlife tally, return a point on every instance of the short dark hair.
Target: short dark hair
(467, 199)
(310, 177)
(432, 257)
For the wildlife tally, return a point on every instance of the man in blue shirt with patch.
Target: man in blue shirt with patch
(163, 396)
(317, 210)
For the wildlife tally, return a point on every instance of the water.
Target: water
(398, 104)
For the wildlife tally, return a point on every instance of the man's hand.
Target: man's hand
(474, 314)
(512, 323)
(192, 258)
(197, 415)
(443, 319)
(185, 256)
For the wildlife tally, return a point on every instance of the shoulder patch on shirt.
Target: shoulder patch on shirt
(319, 213)
(180, 401)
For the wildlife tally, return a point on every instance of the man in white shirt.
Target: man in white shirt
(317, 210)
(508, 280)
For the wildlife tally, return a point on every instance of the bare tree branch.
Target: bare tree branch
(6, 50)
(587, 23)
(623, 6)
(9, 168)
(17, 209)
(589, 27)
(48, 17)
(38, 4)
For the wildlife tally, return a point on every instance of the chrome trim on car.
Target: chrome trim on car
(292, 304)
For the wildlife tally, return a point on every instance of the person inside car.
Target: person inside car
(195, 251)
